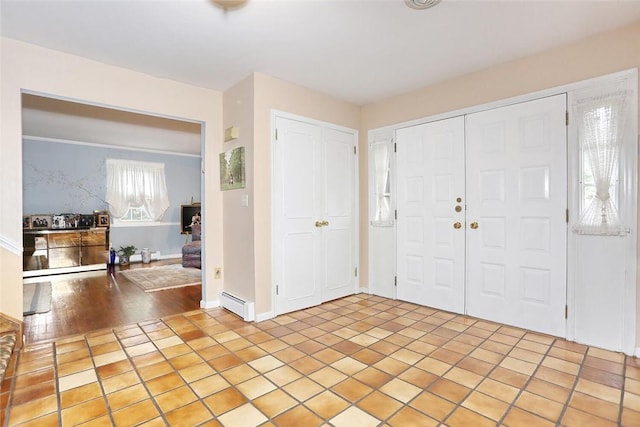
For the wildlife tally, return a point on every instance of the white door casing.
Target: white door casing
(517, 197)
(314, 214)
(430, 194)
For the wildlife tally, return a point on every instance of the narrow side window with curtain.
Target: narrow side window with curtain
(601, 122)
(136, 191)
(381, 172)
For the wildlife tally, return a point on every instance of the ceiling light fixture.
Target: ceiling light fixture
(229, 4)
(421, 4)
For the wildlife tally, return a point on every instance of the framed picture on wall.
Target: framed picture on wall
(103, 220)
(40, 221)
(232, 175)
(189, 215)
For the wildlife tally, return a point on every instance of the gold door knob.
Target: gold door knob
(457, 225)
(325, 223)
(319, 224)
(458, 208)
(474, 225)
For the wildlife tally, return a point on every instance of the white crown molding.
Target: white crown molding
(112, 147)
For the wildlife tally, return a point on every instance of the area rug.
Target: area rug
(36, 298)
(164, 277)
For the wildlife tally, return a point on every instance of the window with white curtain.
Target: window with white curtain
(381, 171)
(601, 119)
(136, 191)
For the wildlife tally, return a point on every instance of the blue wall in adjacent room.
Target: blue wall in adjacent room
(71, 178)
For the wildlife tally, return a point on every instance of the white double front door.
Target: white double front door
(315, 214)
(482, 205)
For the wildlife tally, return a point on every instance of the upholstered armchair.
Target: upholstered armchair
(191, 250)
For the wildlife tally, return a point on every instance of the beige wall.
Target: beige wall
(32, 68)
(599, 55)
(273, 94)
(239, 257)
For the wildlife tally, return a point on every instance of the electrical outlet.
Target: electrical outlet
(217, 273)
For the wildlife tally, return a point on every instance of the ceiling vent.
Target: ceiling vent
(421, 4)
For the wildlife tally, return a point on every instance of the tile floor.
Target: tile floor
(358, 361)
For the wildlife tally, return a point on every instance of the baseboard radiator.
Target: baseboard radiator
(244, 309)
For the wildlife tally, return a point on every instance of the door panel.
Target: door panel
(297, 241)
(517, 195)
(430, 181)
(299, 284)
(339, 201)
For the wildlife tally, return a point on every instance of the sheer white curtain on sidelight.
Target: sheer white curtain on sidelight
(136, 184)
(601, 123)
(381, 170)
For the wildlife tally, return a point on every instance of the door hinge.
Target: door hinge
(356, 272)
(395, 147)
(354, 150)
(395, 281)
(276, 134)
(567, 216)
(567, 117)
(277, 290)
(396, 214)
(566, 311)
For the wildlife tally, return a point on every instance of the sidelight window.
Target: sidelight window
(381, 170)
(601, 119)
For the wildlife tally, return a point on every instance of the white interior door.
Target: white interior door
(297, 241)
(430, 200)
(315, 215)
(516, 217)
(338, 210)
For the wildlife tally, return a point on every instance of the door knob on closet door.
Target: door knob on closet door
(319, 224)
(474, 225)
(325, 223)
(457, 225)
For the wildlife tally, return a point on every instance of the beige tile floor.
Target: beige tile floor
(358, 361)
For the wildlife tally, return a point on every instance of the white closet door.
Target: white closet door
(338, 236)
(517, 198)
(314, 214)
(298, 241)
(430, 194)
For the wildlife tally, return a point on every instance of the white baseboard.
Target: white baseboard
(637, 352)
(265, 316)
(363, 290)
(209, 304)
(155, 256)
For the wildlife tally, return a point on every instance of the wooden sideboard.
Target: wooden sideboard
(47, 250)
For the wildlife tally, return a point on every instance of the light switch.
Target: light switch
(244, 200)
